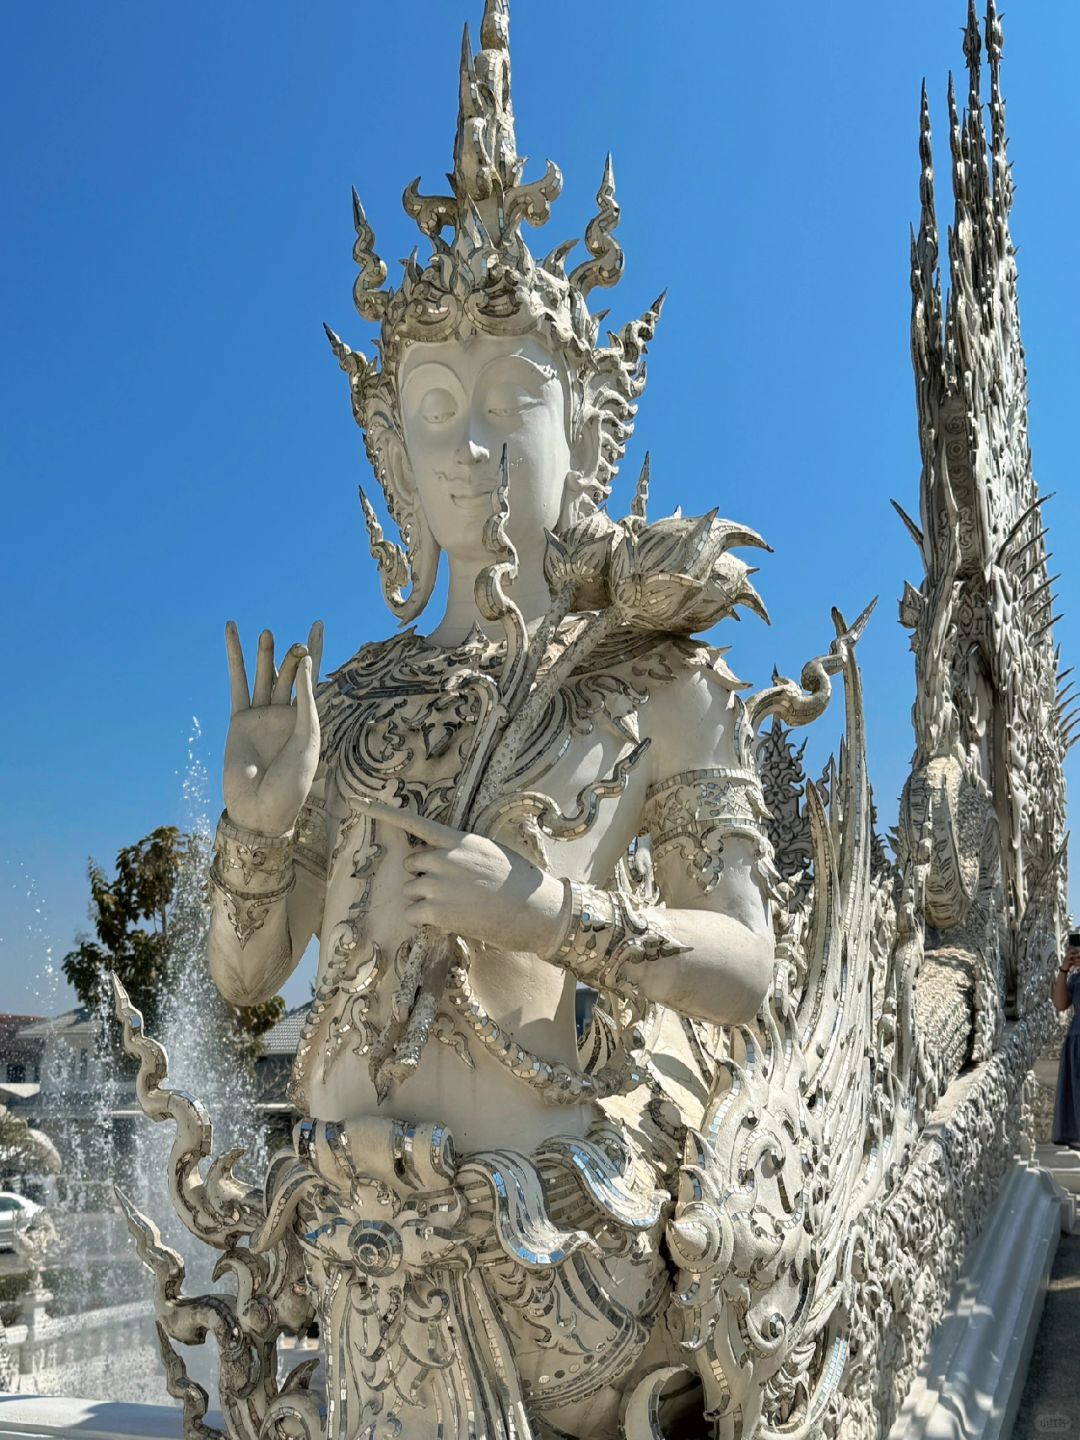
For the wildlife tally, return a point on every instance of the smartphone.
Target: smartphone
(1073, 941)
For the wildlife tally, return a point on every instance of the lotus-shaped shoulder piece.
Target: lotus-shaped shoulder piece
(676, 575)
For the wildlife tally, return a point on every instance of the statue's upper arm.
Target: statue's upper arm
(704, 811)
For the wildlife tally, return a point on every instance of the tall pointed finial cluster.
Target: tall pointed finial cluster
(984, 614)
(481, 276)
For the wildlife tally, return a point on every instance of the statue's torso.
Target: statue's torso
(400, 721)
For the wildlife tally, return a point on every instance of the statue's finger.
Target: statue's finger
(421, 860)
(315, 647)
(264, 670)
(430, 831)
(307, 717)
(238, 685)
(282, 692)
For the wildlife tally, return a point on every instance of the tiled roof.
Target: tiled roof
(285, 1036)
(53, 1025)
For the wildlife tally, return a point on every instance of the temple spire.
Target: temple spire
(987, 580)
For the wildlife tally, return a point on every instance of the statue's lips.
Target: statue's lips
(472, 499)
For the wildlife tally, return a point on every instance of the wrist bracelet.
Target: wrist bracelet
(250, 871)
(604, 933)
(249, 863)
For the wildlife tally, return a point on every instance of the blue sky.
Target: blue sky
(176, 444)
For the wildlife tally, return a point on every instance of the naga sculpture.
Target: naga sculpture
(719, 1209)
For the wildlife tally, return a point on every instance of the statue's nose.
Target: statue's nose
(474, 454)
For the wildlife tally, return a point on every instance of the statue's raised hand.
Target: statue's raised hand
(273, 746)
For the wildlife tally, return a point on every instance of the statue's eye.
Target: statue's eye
(508, 400)
(438, 406)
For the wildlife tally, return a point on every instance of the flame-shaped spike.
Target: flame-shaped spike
(353, 362)
(750, 600)
(928, 230)
(1041, 631)
(1018, 555)
(1041, 588)
(1019, 524)
(370, 300)
(606, 264)
(972, 53)
(432, 213)
(495, 26)
(554, 261)
(1036, 567)
(532, 202)
(468, 103)
(395, 571)
(912, 529)
(956, 150)
(337, 345)
(995, 41)
(926, 316)
(995, 38)
(640, 503)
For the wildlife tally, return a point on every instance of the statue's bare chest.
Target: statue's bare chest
(410, 725)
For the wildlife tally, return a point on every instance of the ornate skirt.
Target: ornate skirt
(486, 1296)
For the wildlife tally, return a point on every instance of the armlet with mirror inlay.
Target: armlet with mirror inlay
(688, 817)
(604, 933)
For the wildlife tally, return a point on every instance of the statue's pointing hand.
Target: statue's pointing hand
(465, 884)
(272, 750)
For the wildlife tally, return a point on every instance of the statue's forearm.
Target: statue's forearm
(249, 973)
(723, 974)
(251, 951)
(701, 963)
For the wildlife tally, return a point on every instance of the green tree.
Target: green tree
(136, 918)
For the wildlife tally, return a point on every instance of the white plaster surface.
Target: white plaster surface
(970, 1383)
(48, 1415)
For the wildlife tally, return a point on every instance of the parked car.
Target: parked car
(15, 1212)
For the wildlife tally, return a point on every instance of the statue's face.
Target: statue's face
(461, 402)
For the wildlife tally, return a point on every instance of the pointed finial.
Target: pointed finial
(486, 162)
(639, 504)
(606, 264)
(954, 121)
(337, 345)
(926, 316)
(368, 297)
(972, 53)
(468, 107)
(353, 362)
(395, 571)
(909, 524)
(495, 26)
(1003, 186)
(555, 261)
(928, 222)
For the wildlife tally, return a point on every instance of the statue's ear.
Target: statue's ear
(397, 471)
(585, 440)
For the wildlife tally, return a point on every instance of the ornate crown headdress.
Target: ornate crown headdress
(485, 278)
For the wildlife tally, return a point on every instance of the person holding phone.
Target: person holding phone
(1066, 992)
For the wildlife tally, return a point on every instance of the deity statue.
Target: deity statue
(689, 1217)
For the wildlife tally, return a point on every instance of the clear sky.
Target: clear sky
(175, 438)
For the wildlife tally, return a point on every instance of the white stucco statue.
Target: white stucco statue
(692, 1217)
